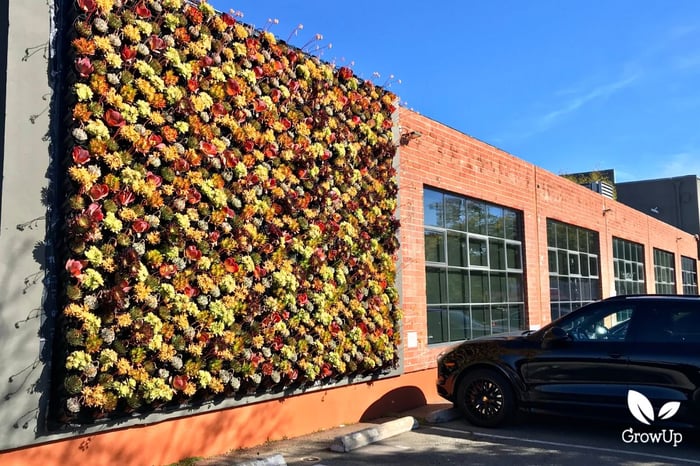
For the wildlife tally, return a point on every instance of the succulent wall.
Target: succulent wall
(229, 219)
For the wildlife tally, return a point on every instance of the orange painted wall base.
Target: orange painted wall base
(221, 431)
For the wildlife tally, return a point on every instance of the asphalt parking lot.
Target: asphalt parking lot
(531, 441)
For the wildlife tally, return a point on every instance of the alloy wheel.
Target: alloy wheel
(484, 399)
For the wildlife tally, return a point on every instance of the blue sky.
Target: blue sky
(567, 85)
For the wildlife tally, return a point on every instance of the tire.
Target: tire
(486, 398)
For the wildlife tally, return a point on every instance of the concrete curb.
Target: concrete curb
(443, 415)
(361, 438)
(275, 460)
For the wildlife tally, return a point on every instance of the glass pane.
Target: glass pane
(434, 246)
(513, 260)
(495, 220)
(497, 254)
(459, 323)
(476, 217)
(593, 266)
(565, 308)
(554, 311)
(551, 235)
(573, 264)
(481, 321)
(455, 213)
(511, 225)
(563, 260)
(620, 287)
(499, 319)
(477, 252)
(516, 317)
(458, 286)
(564, 293)
(515, 287)
(561, 236)
(437, 325)
(585, 289)
(456, 249)
(553, 261)
(584, 265)
(575, 289)
(433, 208)
(573, 239)
(554, 288)
(583, 240)
(498, 287)
(436, 285)
(479, 286)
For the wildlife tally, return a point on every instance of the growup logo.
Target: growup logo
(641, 408)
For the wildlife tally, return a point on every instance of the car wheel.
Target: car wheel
(486, 398)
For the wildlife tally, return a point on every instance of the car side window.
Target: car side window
(670, 323)
(686, 325)
(608, 323)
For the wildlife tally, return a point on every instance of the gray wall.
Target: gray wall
(25, 157)
(671, 200)
(27, 309)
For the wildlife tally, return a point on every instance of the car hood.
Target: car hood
(516, 335)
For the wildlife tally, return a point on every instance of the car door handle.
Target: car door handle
(615, 355)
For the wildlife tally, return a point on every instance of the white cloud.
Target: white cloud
(680, 164)
(687, 62)
(570, 99)
(666, 166)
(601, 91)
(622, 175)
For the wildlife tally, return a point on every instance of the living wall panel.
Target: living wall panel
(229, 216)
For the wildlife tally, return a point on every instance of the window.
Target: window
(474, 267)
(628, 263)
(664, 272)
(606, 322)
(676, 323)
(689, 272)
(574, 277)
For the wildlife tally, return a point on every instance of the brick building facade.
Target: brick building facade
(446, 161)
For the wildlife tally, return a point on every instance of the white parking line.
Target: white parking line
(569, 445)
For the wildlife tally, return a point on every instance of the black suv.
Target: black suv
(617, 358)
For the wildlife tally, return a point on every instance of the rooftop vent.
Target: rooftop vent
(602, 188)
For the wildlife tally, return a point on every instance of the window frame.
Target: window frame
(564, 243)
(689, 275)
(630, 256)
(497, 232)
(664, 272)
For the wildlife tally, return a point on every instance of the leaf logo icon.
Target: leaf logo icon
(642, 410)
(669, 409)
(640, 407)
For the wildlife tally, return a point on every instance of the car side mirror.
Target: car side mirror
(554, 335)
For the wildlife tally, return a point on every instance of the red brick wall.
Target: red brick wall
(447, 159)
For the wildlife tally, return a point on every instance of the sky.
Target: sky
(568, 85)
